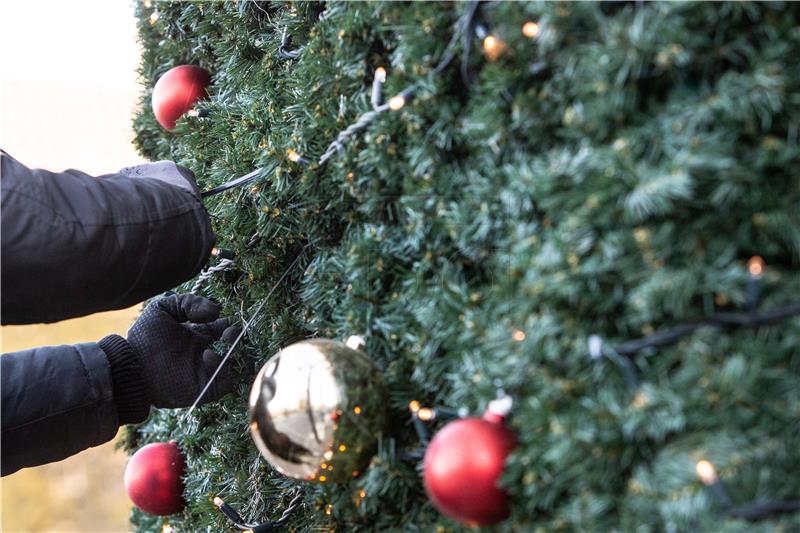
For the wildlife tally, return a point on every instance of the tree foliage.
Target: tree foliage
(610, 176)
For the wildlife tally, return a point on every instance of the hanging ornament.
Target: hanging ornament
(177, 91)
(463, 464)
(317, 408)
(153, 478)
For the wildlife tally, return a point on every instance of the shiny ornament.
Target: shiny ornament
(463, 465)
(177, 91)
(317, 408)
(153, 478)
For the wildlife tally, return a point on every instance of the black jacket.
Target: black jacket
(73, 244)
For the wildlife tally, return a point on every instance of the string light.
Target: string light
(153, 17)
(708, 476)
(377, 81)
(328, 509)
(396, 102)
(166, 528)
(357, 409)
(531, 29)
(493, 47)
(342, 448)
(756, 266)
(207, 273)
(518, 335)
(670, 336)
(242, 525)
(426, 414)
(413, 406)
(147, 3)
(706, 472)
(293, 155)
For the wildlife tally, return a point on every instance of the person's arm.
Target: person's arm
(73, 244)
(60, 400)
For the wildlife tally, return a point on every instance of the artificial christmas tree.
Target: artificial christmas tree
(561, 196)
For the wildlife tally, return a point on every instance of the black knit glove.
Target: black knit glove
(167, 359)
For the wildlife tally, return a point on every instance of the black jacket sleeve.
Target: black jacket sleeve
(59, 400)
(73, 244)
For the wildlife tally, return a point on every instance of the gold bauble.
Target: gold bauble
(317, 408)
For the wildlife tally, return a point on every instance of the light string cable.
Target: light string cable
(245, 328)
(752, 511)
(623, 356)
(461, 32)
(672, 335)
(208, 273)
(399, 100)
(242, 525)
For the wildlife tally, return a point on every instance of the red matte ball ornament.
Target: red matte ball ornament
(177, 91)
(153, 478)
(463, 464)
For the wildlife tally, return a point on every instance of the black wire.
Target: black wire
(764, 509)
(720, 320)
(271, 525)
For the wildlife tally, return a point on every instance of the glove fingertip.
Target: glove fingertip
(231, 333)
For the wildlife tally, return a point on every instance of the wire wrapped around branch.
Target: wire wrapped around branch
(721, 320)
(271, 525)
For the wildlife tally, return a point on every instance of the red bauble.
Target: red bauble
(463, 465)
(176, 92)
(153, 478)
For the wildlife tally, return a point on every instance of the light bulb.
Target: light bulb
(531, 29)
(706, 472)
(293, 155)
(396, 102)
(493, 47)
(426, 414)
(756, 266)
(380, 74)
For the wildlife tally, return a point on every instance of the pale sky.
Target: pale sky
(68, 83)
(79, 42)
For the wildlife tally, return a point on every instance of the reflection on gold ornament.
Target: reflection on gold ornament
(317, 408)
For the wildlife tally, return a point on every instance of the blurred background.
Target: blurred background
(68, 87)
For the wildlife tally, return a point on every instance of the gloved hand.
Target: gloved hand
(172, 338)
(165, 171)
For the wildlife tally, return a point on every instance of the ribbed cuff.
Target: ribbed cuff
(127, 377)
